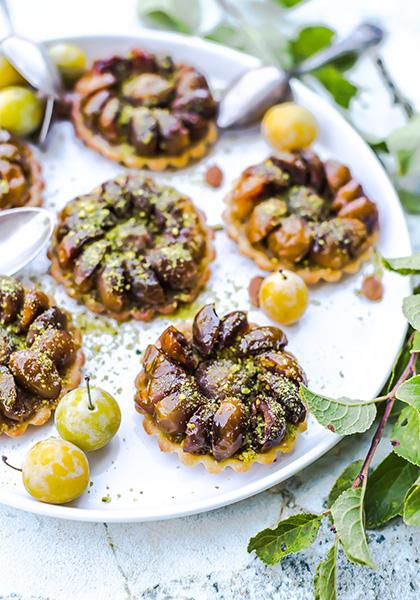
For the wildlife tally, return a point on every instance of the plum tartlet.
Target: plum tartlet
(40, 356)
(21, 183)
(145, 111)
(296, 212)
(222, 392)
(132, 248)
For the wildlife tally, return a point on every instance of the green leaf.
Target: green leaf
(406, 435)
(344, 481)
(379, 146)
(291, 535)
(415, 346)
(341, 415)
(386, 488)
(340, 88)
(224, 34)
(409, 392)
(347, 513)
(411, 511)
(289, 3)
(310, 40)
(325, 577)
(409, 199)
(411, 310)
(407, 265)
(181, 15)
(404, 144)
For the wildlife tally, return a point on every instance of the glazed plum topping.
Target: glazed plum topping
(302, 212)
(265, 217)
(58, 345)
(11, 298)
(232, 325)
(176, 346)
(269, 423)
(7, 346)
(198, 430)
(292, 240)
(164, 377)
(282, 364)
(15, 403)
(37, 350)
(228, 431)
(205, 329)
(230, 391)
(152, 104)
(261, 339)
(16, 172)
(337, 241)
(36, 373)
(35, 303)
(132, 248)
(174, 411)
(52, 318)
(214, 378)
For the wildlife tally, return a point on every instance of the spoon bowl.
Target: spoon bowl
(24, 232)
(247, 99)
(34, 64)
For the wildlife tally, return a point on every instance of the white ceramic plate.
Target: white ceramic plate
(345, 343)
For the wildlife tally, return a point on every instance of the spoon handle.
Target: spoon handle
(361, 38)
(7, 17)
(46, 122)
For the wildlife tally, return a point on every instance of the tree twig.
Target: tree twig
(409, 369)
(397, 96)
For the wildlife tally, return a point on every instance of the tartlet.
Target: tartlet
(222, 392)
(21, 182)
(40, 356)
(145, 111)
(132, 248)
(296, 212)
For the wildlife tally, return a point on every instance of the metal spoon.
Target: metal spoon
(33, 62)
(247, 98)
(24, 232)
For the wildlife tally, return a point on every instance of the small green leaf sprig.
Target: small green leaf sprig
(361, 499)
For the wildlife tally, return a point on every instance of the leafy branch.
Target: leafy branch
(360, 498)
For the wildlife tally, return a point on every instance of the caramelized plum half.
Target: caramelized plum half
(11, 298)
(205, 329)
(262, 339)
(176, 346)
(36, 373)
(165, 376)
(198, 430)
(270, 423)
(228, 428)
(175, 410)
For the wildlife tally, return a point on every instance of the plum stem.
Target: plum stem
(91, 406)
(4, 459)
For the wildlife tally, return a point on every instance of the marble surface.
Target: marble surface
(204, 556)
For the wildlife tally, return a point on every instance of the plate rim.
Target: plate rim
(261, 484)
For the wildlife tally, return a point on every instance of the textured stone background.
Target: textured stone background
(204, 557)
